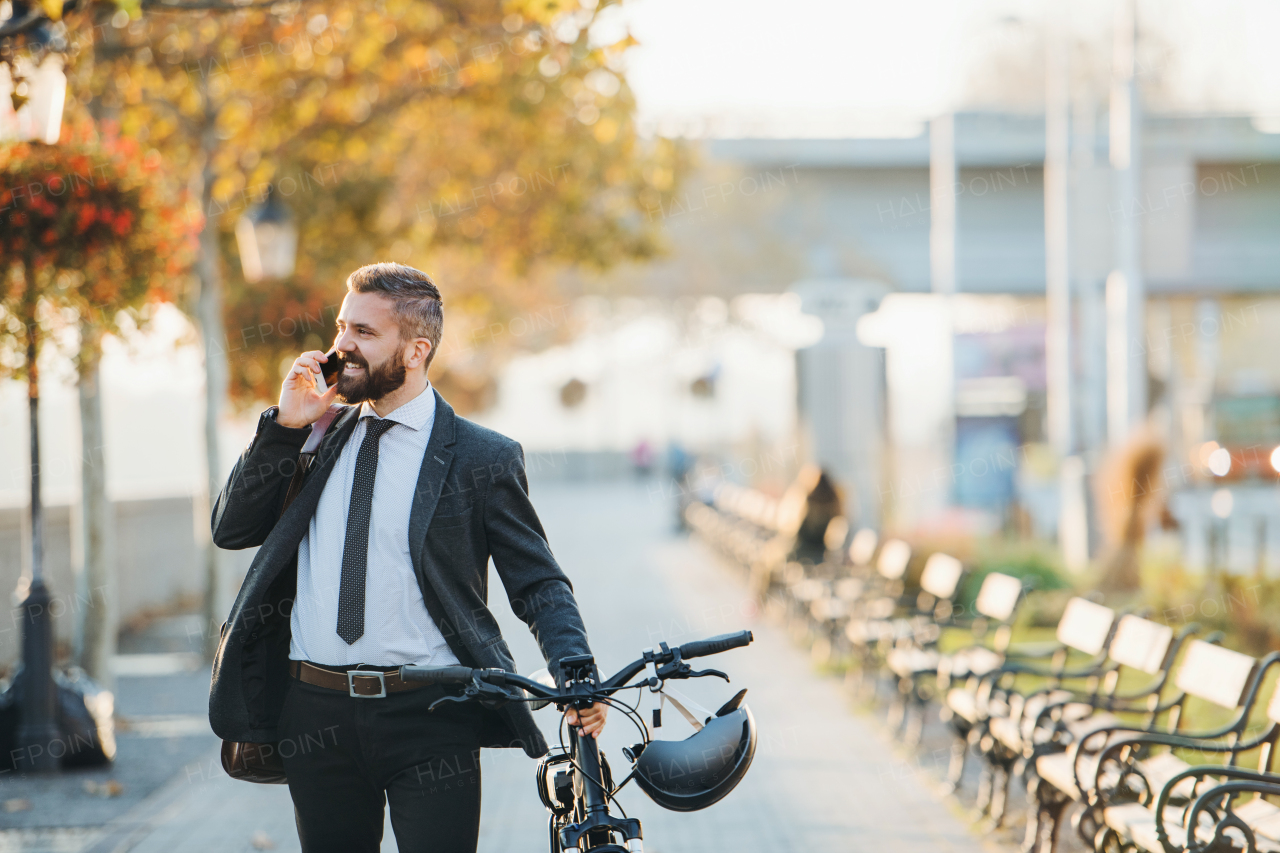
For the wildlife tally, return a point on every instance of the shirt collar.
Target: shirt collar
(414, 414)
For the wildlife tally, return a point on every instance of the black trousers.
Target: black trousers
(345, 757)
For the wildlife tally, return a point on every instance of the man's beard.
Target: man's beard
(375, 383)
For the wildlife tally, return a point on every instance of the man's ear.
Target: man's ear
(418, 350)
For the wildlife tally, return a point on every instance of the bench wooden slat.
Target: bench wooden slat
(941, 575)
(1141, 644)
(1215, 674)
(1263, 818)
(1273, 707)
(894, 557)
(1085, 625)
(998, 596)
(863, 546)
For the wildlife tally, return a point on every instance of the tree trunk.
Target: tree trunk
(209, 316)
(96, 584)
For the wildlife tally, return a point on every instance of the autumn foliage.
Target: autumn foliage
(489, 143)
(86, 225)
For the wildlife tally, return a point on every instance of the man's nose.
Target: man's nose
(345, 343)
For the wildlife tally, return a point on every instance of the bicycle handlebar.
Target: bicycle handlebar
(464, 674)
(715, 645)
(437, 674)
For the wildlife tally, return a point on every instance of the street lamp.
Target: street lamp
(33, 87)
(268, 240)
(35, 114)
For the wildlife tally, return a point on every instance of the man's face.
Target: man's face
(370, 348)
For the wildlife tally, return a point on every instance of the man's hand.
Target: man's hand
(301, 404)
(591, 719)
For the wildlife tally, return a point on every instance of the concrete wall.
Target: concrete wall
(156, 561)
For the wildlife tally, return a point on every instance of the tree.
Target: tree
(88, 236)
(493, 134)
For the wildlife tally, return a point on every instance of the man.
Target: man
(382, 560)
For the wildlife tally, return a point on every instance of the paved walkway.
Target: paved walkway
(823, 778)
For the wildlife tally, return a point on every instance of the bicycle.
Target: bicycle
(679, 775)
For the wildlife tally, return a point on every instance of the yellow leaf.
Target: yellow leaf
(52, 8)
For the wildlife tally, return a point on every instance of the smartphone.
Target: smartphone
(328, 371)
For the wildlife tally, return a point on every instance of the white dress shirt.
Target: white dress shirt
(397, 628)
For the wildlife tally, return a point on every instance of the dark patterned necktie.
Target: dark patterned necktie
(355, 551)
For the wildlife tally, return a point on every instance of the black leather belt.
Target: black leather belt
(357, 683)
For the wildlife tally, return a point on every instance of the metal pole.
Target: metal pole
(942, 204)
(944, 176)
(1073, 514)
(1126, 297)
(37, 734)
(1057, 235)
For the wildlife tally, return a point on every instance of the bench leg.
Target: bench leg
(1004, 771)
(1109, 841)
(900, 710)
(1088, 824)
(870, 667)
(918, 708)
(959, 760)
(1045, 818)
(986, 789)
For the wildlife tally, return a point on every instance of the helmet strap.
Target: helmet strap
(689, 709)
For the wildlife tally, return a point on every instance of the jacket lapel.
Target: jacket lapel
(326, 458)
(432, 481)
(434, 473)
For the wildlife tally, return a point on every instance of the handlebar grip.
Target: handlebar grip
(715, 645)
(437, 674)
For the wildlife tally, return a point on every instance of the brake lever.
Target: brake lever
(489, 695)
(703, 672)
(444, 699)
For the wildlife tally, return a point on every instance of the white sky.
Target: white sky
(832, 67)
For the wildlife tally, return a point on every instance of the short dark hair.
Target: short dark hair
(418, 308)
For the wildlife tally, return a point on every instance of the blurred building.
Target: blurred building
(965, 415)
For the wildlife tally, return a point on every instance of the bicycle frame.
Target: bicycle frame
(592, 826)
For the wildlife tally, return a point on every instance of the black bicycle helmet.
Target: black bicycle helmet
(691, 774)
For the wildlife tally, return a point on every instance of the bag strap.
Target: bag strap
(308, 455)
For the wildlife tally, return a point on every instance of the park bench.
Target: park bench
(744, 525)
(911, 644)
(1192, 808)
(859, 612)
(810, 591)
(920, 668)
(998, 707)
(1111, 764)
(1221, 823)
(972, 680)
(828, 600)
(1038, 736)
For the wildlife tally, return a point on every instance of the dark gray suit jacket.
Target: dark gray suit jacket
(472, 503)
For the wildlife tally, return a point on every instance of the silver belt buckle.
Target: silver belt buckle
(351, 683)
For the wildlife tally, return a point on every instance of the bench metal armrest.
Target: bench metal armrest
(1204, 742)
(1241, 782)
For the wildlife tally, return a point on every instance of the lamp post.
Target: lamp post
(34, 115)
(37, 80)
(267, 237)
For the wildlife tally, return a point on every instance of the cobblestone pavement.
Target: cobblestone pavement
(823, 778)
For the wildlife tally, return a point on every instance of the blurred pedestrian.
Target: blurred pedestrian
(822, 504)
